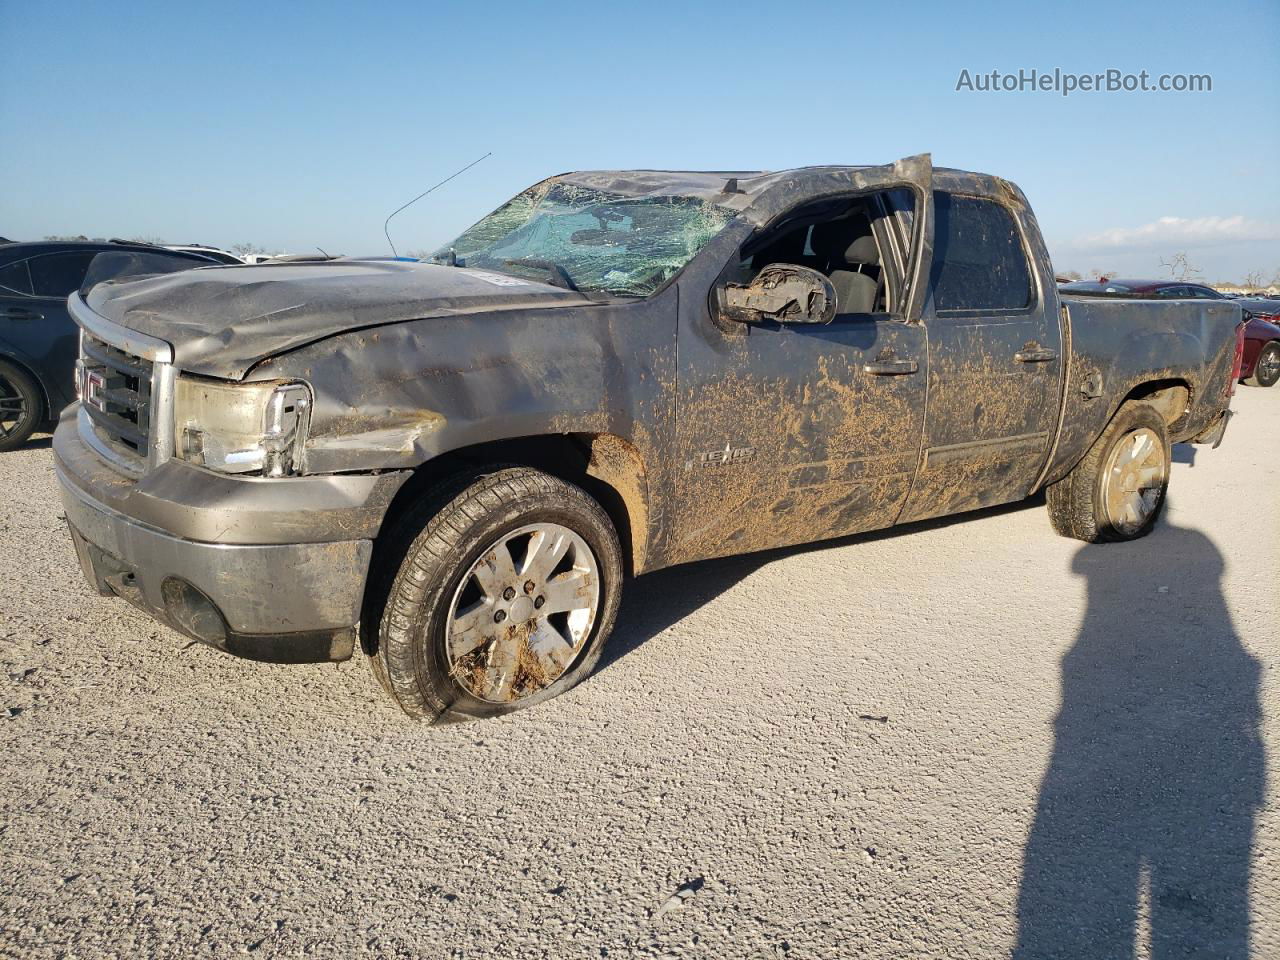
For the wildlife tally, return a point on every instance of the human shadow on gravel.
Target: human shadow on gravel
(656, 601)
(1158, 767)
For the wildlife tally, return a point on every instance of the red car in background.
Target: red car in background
(1261, 340)
(1261, 367)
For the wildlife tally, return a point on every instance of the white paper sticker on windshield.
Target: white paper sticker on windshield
(498, 279)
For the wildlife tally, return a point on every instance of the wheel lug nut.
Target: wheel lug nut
(509, 593)
(528, 586)
(500, 616)
(537, 604)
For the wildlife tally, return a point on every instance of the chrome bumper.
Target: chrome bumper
(294, 595)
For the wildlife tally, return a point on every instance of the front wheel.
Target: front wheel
(1266, 371)
(1118, 490)
(502, 597)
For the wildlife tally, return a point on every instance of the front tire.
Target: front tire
(506, 586)
(1266, 369)
(1118, 490)
(21, 407)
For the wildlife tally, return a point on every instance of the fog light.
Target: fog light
(192, 612)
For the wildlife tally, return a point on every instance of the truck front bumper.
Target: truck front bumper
(282, 572)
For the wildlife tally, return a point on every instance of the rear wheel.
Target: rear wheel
(505, 588)
(21, 406)
(1118, 490)
(1266, 371)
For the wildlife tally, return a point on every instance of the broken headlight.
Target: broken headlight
(257, 428)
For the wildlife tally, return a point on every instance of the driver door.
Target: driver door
(790, 433)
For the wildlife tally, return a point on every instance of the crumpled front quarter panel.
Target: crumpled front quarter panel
(395, 396)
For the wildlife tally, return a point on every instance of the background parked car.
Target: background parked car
(38, 339)
(1145, 289)
(213, 253)
(1261, 340)
(1261, 366)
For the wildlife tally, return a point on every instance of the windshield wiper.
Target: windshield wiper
(557, 275)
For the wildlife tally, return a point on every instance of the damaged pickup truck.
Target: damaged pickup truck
(458, 462)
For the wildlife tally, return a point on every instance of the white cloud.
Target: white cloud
(1175, 232)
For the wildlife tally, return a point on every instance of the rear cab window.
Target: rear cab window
(979, 262)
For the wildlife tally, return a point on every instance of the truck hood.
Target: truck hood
(220, 321)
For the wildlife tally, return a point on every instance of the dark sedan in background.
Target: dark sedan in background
(38, 339)
(1261, 367)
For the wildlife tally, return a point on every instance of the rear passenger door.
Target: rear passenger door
(995, 361)
(34, 320)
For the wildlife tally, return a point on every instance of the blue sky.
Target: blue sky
(295, 125)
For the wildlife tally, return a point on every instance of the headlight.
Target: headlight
(242, 427)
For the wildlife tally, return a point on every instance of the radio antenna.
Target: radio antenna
(387, 232)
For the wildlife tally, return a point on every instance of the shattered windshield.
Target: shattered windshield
(589, 240)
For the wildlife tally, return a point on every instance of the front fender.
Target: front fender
(393, 397)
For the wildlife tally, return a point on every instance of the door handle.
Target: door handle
(21, 313)
(890, 368)
(1034, 353)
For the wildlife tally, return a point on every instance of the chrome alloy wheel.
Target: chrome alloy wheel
(523, 612)
(1134, 479)
(1268, 371)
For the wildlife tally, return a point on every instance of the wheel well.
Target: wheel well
(45, 399)
(605, 465)
(1172, 398)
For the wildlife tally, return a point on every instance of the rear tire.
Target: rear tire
(444, 573)
(1266, 369)
(21, 407)
(1118, 490)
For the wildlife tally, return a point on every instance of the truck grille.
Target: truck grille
(115, 391)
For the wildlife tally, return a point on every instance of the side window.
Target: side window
(1173, 293)
(59, 274)
(1206, 293)
(14, 278)
(978, 260)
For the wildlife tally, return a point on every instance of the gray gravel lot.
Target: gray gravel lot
(1075, 747)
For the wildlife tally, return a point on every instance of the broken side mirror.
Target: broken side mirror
(780, 293)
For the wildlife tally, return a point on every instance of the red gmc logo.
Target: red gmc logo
(95, 386)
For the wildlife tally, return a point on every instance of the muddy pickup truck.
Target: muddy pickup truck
(457, 462)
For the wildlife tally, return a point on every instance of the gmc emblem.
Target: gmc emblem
(95, 386)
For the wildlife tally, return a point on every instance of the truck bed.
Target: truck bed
(1119, 344)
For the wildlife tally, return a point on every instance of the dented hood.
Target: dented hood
(222, 320)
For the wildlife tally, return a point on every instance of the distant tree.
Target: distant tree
(419, 254)
(1254, 280)
(1096, 274)
(1073, 275)
(65, 239)
(1181, 268)
(153, 240)
(247, 249)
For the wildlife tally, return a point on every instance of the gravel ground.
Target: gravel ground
(945, 741)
